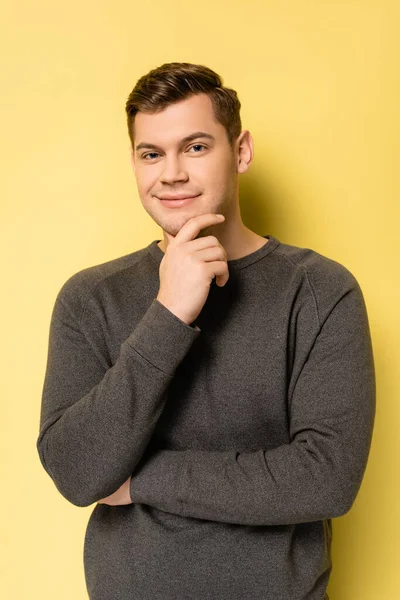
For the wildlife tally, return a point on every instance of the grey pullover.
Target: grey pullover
(245, 432)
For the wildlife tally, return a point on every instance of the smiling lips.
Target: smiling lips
(181, 196)
(177, 200)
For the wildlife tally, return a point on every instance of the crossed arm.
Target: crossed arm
(317, 475)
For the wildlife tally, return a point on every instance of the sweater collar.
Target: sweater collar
(236, 263)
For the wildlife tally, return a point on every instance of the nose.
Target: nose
(173, 171)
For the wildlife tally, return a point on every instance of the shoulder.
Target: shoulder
(328, 279)
(322, 270)
(76, 290)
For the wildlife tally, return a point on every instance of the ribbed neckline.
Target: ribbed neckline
(236, 263)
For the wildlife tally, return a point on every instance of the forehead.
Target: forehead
(177, 120)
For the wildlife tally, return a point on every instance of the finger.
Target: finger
(219, 269)
(206, 242)
(193, 226)
(210, 253)
(221, 280)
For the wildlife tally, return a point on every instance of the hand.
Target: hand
(121, 496)
(189, 266)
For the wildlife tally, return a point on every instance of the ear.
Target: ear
(245, 151)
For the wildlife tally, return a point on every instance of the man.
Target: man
(214, 392)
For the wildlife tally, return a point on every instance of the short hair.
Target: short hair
(176, 81)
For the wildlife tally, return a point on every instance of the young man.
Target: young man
(214, 392)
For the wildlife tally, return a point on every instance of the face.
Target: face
(166, 164)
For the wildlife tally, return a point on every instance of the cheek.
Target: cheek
(213, 170)
(220, 175)
(146, 179)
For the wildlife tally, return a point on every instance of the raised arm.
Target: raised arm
(96, 419)
(318, 474)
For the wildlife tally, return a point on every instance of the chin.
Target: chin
(172, 225)
(173, 222)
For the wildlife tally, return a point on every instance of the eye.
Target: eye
(197, 146)
(148, 153)
(156, 153)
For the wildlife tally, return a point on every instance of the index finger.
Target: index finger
(194, 225)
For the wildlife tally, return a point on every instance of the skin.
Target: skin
(202, 166)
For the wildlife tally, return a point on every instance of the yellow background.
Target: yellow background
(319, 86)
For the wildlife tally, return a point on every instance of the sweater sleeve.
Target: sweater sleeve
(318, 474)
(96, 419)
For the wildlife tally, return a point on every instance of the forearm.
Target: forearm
(93, 434)
(315, 477)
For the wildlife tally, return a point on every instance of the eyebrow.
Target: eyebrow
(185, 140)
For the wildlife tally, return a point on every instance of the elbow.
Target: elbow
(65, 482)
(347, 498)
(336, 499)
(337, 508)
(77, 498)
(348, 484)
(337, 476)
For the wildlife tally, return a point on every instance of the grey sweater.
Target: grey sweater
(245, 432)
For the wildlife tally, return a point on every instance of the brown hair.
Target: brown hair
(175, 81)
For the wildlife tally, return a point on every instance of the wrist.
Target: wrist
(179, 315)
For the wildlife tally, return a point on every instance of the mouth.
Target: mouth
(177, 202)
